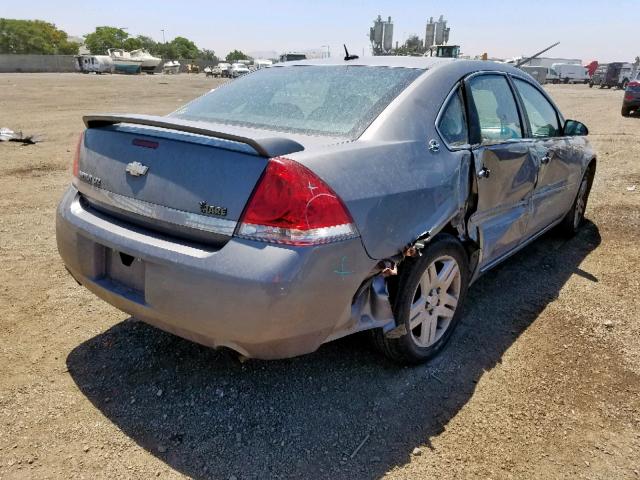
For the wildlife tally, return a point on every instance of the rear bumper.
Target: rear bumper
(265, 301)
(635, 103)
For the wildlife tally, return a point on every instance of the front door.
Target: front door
(505, 170)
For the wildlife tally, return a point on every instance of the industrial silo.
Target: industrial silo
(387, 43)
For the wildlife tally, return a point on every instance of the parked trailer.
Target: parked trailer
(567, 73)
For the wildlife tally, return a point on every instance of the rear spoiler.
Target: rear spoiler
(265, 147)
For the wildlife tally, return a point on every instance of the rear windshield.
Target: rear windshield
(313, 100)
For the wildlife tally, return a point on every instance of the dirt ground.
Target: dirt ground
(541, 380)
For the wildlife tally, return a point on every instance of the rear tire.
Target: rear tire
(428, 303)
(626, 112)
(574, 218)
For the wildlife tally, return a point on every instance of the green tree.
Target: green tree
(34, 37)
(184, 48)
(141, 41)
(166, 50)
(412, 46)
(132, 43)
(210, 55)
(148, 44)
(104, 38)
(235, 56)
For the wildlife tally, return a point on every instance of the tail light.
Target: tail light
(629, 96)
(76, 157)
(291, 205)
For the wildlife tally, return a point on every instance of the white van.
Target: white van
(567, 73)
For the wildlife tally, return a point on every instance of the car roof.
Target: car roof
(457, 67)
(377, 61)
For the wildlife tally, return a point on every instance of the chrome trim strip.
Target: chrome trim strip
(220, 226)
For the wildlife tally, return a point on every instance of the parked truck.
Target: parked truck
(611, 75)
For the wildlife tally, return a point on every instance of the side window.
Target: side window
(453, 123)
(496, 108)
(541, 114)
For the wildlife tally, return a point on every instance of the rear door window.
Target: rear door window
(496, 109)
(542, 117)
(453, 122)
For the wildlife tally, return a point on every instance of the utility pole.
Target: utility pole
(163, 40)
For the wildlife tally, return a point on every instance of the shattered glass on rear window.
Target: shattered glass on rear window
(314, 100)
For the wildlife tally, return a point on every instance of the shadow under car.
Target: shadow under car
(208, 415)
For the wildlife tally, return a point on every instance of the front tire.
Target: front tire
(625, 112)
(428, 303)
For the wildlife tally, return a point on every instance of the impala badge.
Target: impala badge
(137, 169)
(212, 209)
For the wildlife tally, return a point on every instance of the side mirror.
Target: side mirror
(573, 128)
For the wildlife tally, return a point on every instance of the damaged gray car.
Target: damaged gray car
(316, 199)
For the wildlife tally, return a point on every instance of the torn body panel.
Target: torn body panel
(420, 191)
(372, 307)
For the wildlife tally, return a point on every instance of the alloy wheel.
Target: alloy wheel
(435, 301)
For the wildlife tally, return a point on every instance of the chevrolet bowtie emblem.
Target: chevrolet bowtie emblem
(137, 169)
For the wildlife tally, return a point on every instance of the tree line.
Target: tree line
(34, 36)
(39, 37)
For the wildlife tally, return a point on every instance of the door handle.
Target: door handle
(484, 172)
(546, 159)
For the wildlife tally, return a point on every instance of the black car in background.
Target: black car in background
(631, 101)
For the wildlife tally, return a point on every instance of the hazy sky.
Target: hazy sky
(587, 29)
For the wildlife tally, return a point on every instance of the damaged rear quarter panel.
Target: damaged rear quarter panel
(394, 187)
(395, 191)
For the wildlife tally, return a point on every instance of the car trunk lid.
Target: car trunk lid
(183, 178)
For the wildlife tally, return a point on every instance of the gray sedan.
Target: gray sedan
(316, 199)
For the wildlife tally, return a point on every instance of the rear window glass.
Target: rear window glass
(453, 123)
(313, 100)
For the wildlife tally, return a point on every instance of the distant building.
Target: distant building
(381, 36)
(436, 33)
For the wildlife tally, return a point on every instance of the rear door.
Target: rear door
(559, 166)
(504, 168)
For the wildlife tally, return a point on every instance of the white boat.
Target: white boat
(149, 62)
(171, 67)
(123, 62)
